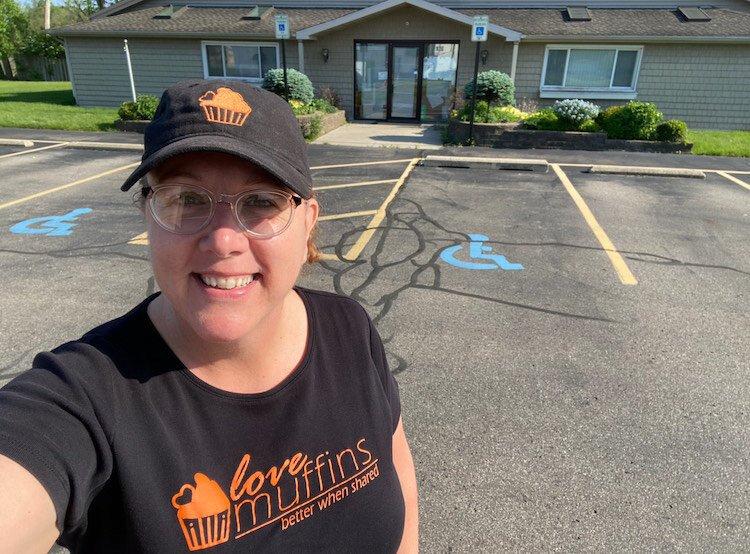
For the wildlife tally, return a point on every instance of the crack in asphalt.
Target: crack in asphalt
(406, 216)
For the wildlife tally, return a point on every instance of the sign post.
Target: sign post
(478, 34)
(282, 33)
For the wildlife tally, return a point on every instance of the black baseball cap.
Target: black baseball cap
(233, 117)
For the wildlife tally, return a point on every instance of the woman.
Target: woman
(232, 411)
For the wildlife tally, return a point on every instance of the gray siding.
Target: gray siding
(708, 86)
(101, 75)
(705, 85)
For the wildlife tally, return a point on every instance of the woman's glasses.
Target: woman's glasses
(187, 209)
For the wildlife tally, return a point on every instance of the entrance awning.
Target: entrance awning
(311, 32)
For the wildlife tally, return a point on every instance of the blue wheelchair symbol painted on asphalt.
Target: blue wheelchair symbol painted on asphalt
(52, 225)
(478, 251)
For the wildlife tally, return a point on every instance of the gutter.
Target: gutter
(151, 34)
(608, 39)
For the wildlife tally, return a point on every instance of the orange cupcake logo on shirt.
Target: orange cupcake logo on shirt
(225, 106)
(204, 514)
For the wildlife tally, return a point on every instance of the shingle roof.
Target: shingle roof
(624, 22)
(200, 21)
(533, 23)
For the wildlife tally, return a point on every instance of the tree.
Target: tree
(13, 27)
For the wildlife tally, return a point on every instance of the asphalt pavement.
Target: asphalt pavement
(571, 347)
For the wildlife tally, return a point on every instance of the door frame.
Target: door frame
(421, 44)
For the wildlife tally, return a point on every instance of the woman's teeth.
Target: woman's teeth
(227, 283)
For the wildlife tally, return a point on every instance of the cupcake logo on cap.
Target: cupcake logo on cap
(225, 106)
(203, 514)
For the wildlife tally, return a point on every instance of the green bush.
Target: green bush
(489, 114)
(312, 127)
(544, 120)
(492, 86)
(633, 121)
(672, 130)
(300, 87)
(143, 108)
(322, 105)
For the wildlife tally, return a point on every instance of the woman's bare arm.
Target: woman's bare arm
(404, 464)
(27, 515)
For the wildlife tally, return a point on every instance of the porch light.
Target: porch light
(484, 54)
(325, 53)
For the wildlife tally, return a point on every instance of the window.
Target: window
(238, 60)
(590, 71)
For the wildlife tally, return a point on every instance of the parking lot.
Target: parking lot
(572, 347)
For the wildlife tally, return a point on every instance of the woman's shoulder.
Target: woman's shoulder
(104, 346)
(335, 306)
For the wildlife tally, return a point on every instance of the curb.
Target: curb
(647, 171)
(16, 142)
(105, 146)
(486, 163)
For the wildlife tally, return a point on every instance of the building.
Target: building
(405, 59)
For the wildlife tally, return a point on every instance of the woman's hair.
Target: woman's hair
(313, 253)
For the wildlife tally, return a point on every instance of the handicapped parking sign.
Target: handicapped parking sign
(51, 225)
(478, 251)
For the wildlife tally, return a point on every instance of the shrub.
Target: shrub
(330, 95)
(144, 107)
(672, 130)
(575, 112)
(317, 105)
(322, 105)
(633, 121)
(492, 86)
(489, 114)
(311, 128)
(300, 87)
(544, 120)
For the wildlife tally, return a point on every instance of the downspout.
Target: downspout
(301, 55)
(514, 62)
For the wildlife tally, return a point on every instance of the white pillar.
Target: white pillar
(301, 55)
(514, 62)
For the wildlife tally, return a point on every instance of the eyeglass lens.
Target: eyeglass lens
(184, 209)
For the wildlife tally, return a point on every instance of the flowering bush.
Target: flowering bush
(575, 112)
(489, 114)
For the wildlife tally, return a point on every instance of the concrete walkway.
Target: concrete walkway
(384, 135)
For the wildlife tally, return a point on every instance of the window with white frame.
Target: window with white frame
(594, 71)
(239, 60)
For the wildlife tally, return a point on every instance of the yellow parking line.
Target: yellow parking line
(58, 145)
(365, 237)
(140, 239)
(361, 163)
(63, 187)
(360, 184)
(734, 179)
(626, 277)
(332, 257)
(346, 215)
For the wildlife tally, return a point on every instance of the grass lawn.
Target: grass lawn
(720, 143)
(49, 105)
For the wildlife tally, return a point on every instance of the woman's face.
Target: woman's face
(264, 270)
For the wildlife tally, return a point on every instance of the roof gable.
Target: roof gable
(310, 32)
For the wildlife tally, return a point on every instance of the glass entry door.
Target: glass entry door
(404, 81)
(371, 81)
(405, 77)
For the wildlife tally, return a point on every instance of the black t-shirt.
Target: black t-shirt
(139, 455)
